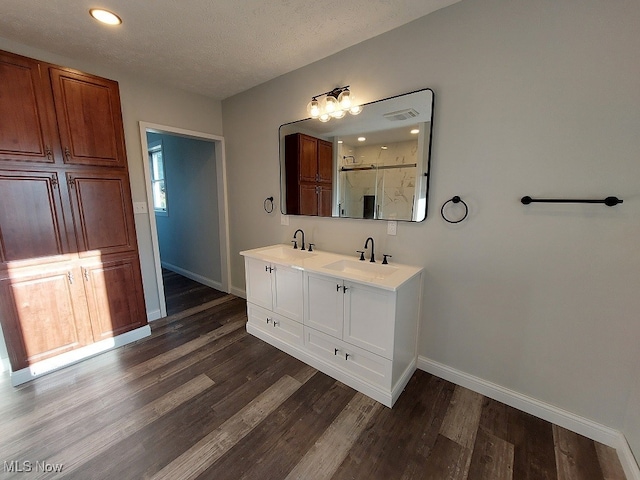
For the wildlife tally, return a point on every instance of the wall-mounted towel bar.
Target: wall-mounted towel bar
(609, 201)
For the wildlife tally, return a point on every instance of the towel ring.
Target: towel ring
(268, 207)
(455, 199)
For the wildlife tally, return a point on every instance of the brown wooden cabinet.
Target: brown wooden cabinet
(102, 211)
(113, 288)
(69, 263)
(309, 175)
(32, 218)
(44, 313)
(27, 121)
(89, 119)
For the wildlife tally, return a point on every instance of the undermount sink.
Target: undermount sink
(362, 269)
(287, 253)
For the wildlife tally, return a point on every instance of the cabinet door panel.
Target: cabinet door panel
(325, 202)
(308, 158)
(287, 292)
(369, 318)
(31, 218)
(352, 360)
(258, 277)
(325, 161)
(89, 118)
(103, 212)
(114, 295)
(27, 131)
(43, 315)
(308, 199)
(274, 325)
(324, 304)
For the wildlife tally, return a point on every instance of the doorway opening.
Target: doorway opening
(187, 205)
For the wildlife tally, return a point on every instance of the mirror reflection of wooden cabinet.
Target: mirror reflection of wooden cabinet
(309, 175)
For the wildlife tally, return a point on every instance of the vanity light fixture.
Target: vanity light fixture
(333, 104)
(105, 16)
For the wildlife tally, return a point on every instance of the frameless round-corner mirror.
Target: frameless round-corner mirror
(373, 165)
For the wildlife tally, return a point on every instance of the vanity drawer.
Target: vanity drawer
(358, 362)
(275, 325)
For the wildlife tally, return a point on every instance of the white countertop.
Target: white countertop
(388, 277)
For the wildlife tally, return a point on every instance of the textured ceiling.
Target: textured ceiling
(216, 48)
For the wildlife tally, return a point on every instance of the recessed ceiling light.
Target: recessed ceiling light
(105, 16)
(384, 147)
(415, 131)
(361, 139)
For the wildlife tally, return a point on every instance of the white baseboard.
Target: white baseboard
(238, 292)
(563, 418)
(68, 358)
(193, 276)
(153, 315)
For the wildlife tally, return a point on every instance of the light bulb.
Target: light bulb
(313, 108)
(330, 104)
(355, 109)
(344, 99)
(325, 117)
(338, 114)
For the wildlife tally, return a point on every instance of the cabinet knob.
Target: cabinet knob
(268, 320)
(275, 324)
(344, 289)
(338, 287)
(346, 356)
(335, 351)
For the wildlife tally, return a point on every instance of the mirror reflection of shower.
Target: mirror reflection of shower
(379, 180)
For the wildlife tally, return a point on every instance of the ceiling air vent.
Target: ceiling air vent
(401, 115)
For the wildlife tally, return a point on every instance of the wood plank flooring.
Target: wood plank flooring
(201, 398)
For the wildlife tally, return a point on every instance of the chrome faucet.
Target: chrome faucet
(295, 243)
(373, 255)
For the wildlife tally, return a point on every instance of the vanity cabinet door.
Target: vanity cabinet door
(258, 278)
(287, 291)
(324, 308)
(369, 318)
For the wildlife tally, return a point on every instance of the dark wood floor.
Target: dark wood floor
(201, 398)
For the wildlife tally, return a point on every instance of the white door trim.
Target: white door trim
(221, 172)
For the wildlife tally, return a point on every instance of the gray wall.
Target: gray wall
(531, 98)
(189, 235)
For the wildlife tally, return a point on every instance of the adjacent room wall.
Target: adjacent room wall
(531, 98)
(189, 234)
(142, 101)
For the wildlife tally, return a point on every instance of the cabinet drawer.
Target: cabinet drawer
(368, 366)
(275, 325)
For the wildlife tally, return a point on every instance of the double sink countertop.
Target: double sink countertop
(387, 277)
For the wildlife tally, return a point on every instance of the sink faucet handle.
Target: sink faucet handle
(295, 244)
(361, 252)
(384, 260)
(311, 245)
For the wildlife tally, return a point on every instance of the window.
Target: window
(158, 186)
